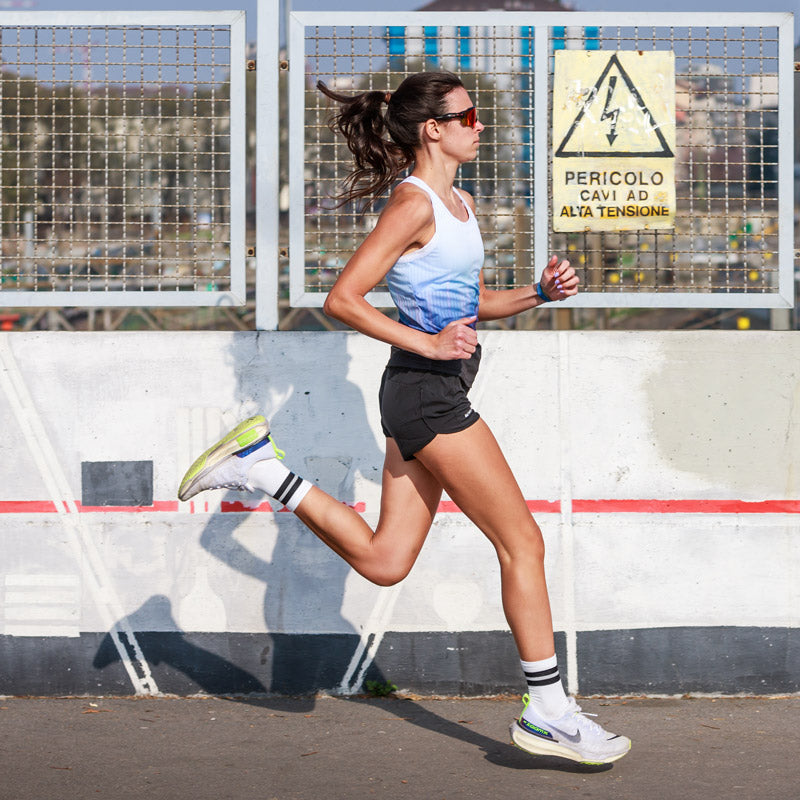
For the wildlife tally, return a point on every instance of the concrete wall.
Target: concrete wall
(662, 467)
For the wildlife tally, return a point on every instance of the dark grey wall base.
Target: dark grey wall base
(241, 663)
(685, 660)
(655, 661)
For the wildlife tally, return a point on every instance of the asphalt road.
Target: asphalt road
(404, 748)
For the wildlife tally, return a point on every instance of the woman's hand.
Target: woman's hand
(456, 340)
(559, 280)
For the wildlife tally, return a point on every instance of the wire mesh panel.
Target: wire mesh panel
(725, 238)
(730, 240)
(122, 141)
(357, 58)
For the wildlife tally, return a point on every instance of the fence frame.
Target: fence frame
(161, 298)
(267, 188)
(542, 22)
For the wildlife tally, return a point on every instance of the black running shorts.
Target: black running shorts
(416, 405)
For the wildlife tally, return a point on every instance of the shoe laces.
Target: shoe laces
(582, 718)
(573, 710)
(233, 485)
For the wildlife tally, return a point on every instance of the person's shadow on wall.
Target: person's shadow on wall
(308, 645)
(175, 657)
(303, 580)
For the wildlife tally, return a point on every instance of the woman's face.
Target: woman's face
(462, 140)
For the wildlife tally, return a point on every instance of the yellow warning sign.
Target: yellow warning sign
(613, 140)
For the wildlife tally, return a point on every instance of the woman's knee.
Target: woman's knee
(389, 573)
(523, 550)
(388, 561)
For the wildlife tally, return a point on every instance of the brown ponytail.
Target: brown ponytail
(379, 158)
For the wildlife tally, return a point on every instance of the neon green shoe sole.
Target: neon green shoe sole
(244, 435)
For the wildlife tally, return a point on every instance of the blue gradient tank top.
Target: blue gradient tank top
(439, 283)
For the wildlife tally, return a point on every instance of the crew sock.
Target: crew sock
(548, 699)
(278, 481)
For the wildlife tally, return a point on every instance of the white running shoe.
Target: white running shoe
(225, 464)
(573, 736)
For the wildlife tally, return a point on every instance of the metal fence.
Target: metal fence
(730, 242)
(123, 174)
(122, 159)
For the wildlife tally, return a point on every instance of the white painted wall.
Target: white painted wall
(704, 416)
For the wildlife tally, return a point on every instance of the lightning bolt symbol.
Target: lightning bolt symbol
(613, 115)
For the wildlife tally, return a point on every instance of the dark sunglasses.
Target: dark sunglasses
(468, 117)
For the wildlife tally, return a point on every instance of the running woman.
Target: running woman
(427, 247)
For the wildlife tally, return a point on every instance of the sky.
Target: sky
(720, 6)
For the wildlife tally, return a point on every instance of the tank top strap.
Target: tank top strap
(420, 183)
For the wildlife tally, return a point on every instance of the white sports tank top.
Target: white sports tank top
(439, 283)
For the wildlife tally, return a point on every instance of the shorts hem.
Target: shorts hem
(468, 423)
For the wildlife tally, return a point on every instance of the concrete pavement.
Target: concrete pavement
(404, 748)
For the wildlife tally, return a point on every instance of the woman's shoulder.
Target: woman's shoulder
(412, 202)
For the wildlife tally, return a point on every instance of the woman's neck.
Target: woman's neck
(439, 174)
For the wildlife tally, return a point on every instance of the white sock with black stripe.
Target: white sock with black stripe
(278, 481)
(548, 699)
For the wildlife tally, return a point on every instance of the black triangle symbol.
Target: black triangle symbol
(664, 152)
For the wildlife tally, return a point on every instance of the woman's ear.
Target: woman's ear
(432, 130)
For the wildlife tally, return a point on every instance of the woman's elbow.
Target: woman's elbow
(343, 305)
(332, 305)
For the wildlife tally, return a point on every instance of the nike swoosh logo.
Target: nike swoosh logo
(550, 732)
(572, 738)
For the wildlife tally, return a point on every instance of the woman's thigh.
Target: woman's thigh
(409, 500)
(471, 468)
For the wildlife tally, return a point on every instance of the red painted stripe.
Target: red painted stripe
(544, 506)
(535, 506)
(238, 507)
(27, 507)
(159, 505)
(686, 507)
(604, 507)
(449, 507)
